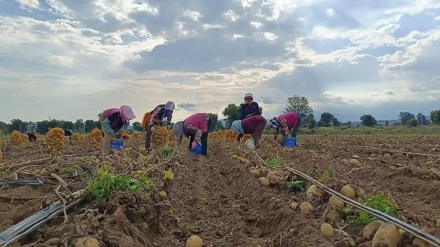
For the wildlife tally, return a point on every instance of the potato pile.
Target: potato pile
(217, 135)
(162, 136)
(136, 134)
(230, 136)
(55, 140)
(15, 138)
(246, 137)
(76, 137)
(95, 138)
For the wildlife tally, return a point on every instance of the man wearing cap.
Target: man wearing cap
(249, 108)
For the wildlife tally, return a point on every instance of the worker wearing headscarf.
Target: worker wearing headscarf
(249, 107)
(31, 131)
(196, 128)
(156, 118)
(69, 133)
(113, 122)
(253, 125)
(285, 123)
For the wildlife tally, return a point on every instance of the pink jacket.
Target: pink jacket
(291, 119)
(196, 121)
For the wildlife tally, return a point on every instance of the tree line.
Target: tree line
(296, 103)
(301, 105)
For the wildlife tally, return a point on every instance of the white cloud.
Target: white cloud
(32, 4)
(206, 54)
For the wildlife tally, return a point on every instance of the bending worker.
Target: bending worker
(252, 125)
(249, 107)
(196, 128)
(156, 118)
(69, 133)
(31, 131)
(285, 123)
(114, 121)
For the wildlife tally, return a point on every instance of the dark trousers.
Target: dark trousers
(204, 141)
(32, 137)
(296, 128)
(148, 137)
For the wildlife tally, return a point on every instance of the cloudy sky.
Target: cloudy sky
(70, 59)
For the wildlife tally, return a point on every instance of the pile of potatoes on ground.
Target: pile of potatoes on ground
(375, 234)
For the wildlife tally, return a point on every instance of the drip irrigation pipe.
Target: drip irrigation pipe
(408, 228)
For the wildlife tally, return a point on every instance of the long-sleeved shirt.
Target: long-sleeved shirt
(114, 124)
(252, 109)
(31, 129)
(159, 114)
(195, 122)
(291, 119)
(250, 124)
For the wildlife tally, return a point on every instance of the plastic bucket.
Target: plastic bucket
(290, 142)
(250, 143)
(117, 145)
(197, 149)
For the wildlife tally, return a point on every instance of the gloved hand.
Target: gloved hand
(194, 144)
(152, 128)
(198, 136)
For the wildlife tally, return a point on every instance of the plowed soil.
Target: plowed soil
(220, 200)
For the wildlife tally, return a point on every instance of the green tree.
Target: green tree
(412, 123)
(387, 123)
(299, 104)
(326, 119)
(17, 124)
(312, 123)
(231, 113)
(4, 127)
(78, 126)
(137, 126)
(404, 117)
(421, 119)
(435, 116)
(368, 120)
(213, 117)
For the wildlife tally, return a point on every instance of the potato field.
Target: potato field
(233, 197)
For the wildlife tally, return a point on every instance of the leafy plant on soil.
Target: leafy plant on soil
(275, 162)
(105, 183)
(324, 177)
(379, 202)
(167, 152)
(296, 185)
(168, 175)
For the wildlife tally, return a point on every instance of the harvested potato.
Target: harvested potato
(371, 229)
(348, 191)
(86, 242)
(355, 162)
(332, 216)
(294, 205)
(327, 230)
(264, 181)
(387, 235)
(306, 207)
(349, 241)
(277, 177)
(313, 191)
(194, 241)
(163, 194)
(335, 202)
(256, 172)
(421, 243)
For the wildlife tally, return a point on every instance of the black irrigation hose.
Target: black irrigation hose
(33, 222)
(408, 228)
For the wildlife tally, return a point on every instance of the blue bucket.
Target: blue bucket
(117, 145)
(197, 149)
(290, 142)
